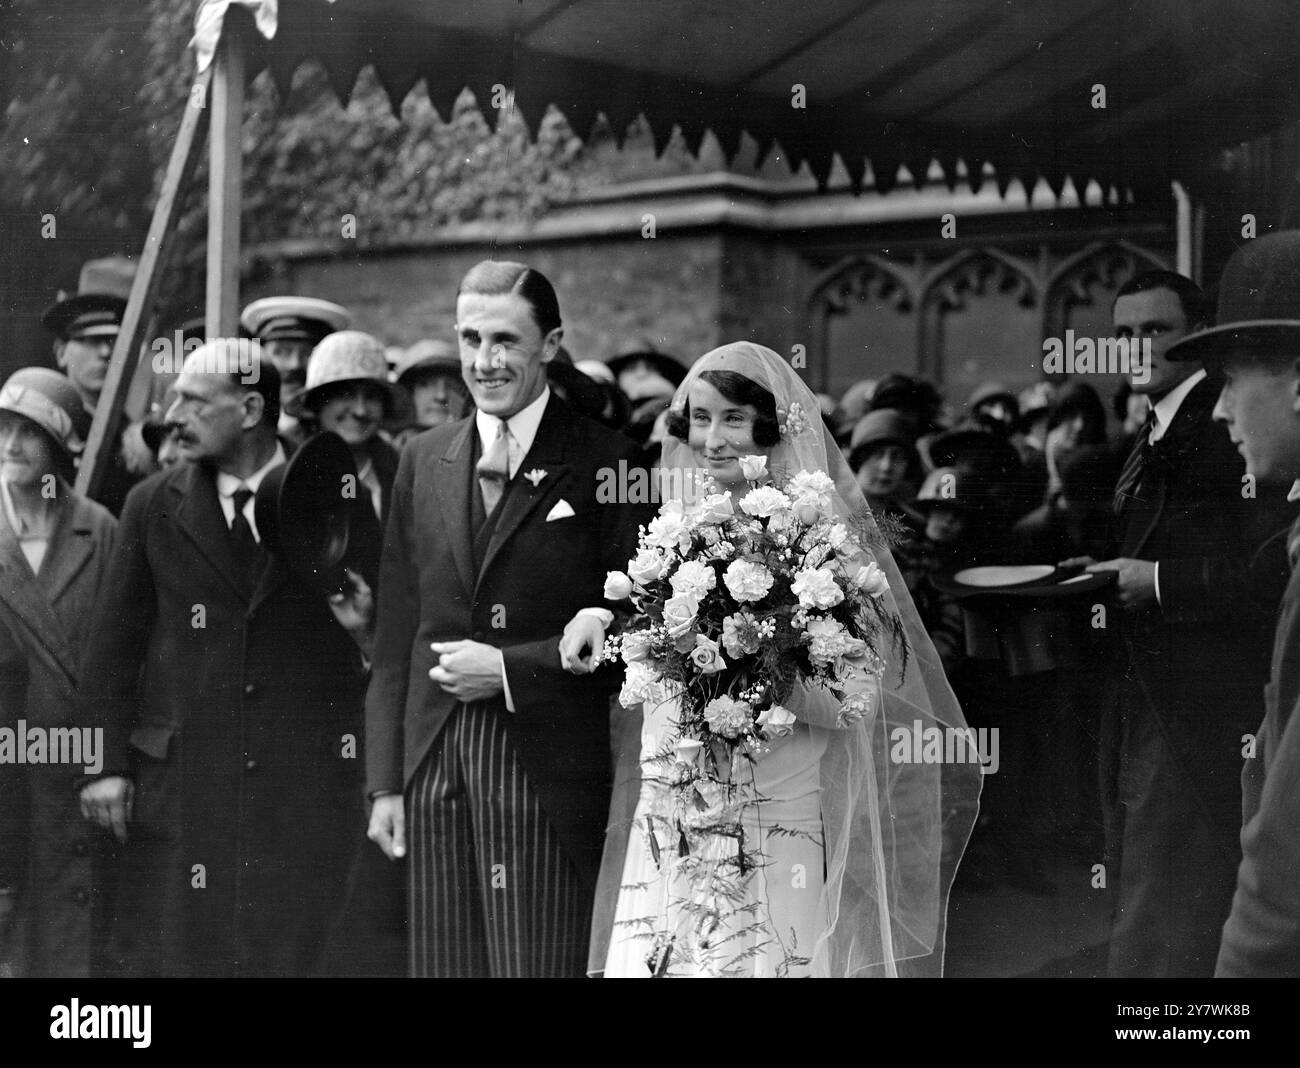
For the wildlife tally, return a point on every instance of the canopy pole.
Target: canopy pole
(97, 459)
(224, 185)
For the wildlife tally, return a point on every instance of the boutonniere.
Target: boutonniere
(535, 476)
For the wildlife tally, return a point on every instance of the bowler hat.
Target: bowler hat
(1259, 302)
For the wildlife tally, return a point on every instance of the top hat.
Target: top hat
(308, 522)
(1259, 302)
(96, 309)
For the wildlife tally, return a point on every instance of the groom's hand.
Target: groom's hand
(469, 671)
(388, 825)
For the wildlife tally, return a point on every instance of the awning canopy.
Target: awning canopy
(1017, 83)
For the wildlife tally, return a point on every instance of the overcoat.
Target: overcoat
(233, 704)
(49, 852)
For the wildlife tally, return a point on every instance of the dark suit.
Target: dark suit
(1262, 935)
(514, 586)
(1187, 691)
(48, 851)
(228, 698)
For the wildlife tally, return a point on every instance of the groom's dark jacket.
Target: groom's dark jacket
(535, 574)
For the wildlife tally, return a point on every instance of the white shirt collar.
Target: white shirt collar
(1294, 495)
(523, 429)
(1167, 406)
(227, 483)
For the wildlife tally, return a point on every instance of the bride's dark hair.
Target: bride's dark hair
(738, 389)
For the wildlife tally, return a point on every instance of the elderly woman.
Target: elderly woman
(54, 551)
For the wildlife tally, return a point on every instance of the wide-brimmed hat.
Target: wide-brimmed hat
(97, 307)
(1259, 303)
(346, 356)
(307, 522)
(49, 400)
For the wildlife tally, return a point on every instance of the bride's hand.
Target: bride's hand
(583, 632)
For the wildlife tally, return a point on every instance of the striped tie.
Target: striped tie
(1131, 476)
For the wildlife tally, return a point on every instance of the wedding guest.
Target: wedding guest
(224, 687)
(85, 325)
(54, 551)
(288, 329)
(882, 454)
(1197, 600)
(1077, 419)
(995, 408)
(1254, 349)
(429, 372)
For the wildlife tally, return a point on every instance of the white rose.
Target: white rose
(687, 749)
(679, 613)
(647, 566)
(618, 587)
(716, 507)
(764, 501)
(747, 581)
(871, 580)
(776, 721)
(694, 577)
(706, 657)
(753, 467)
(816, 588)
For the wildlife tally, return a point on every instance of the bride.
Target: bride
(856, 852)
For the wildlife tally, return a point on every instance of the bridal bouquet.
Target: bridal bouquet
(736, 603)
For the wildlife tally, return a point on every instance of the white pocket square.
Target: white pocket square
(562, 510)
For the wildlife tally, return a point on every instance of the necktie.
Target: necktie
(241, 534)
(1132, 473)
(494, 469)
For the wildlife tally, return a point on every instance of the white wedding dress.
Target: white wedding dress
(771, 928)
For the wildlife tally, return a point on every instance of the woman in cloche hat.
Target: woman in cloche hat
(54, 550)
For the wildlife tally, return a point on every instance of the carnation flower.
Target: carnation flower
(618, 587)
(811, 493)
(740, 635)
(680, 612)
(706, 657)
(856, 707)
(694, 577)
(764, 501)
(747, 580)
(871, 580)
(647, 566)
(816, 588)
(640, 683)
(753, 467)
(727, 717)
(668, 530)
(776, 721)
(837, 535)
(828, 641)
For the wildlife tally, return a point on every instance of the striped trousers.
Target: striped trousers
(492, 891)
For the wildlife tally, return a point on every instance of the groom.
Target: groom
(484, 756)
